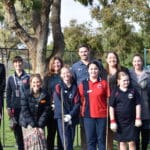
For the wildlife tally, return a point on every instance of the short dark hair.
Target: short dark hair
(17, 58)
(84, 45)
(95, 62)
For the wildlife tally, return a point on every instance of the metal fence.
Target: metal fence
(6, 56)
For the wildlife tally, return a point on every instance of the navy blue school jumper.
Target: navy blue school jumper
(70, 106)
(124, 104)
(14, 91)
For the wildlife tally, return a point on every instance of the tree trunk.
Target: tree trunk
(36, 43)
(59, 45)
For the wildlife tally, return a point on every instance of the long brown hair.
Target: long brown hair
(50, 69)
(118, 67)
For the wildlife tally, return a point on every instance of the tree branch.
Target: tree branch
(15, 26)
(42, 27)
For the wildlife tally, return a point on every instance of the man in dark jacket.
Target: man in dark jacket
(15, 85)
(2, 90)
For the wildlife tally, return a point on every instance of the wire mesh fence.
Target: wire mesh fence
(6, 56)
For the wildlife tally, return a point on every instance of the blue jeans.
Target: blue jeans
(95, 130)
(69, 134)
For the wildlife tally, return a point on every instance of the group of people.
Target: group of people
(110, 102)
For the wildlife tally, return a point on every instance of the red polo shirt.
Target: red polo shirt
(94, 105)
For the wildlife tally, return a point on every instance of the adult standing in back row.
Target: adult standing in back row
(140, 80)
(52, 78)
(112, 67)
(80, 73)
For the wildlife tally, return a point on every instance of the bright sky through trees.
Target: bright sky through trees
(74, 10)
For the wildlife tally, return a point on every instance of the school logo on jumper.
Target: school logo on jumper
(42, 101)
(130, 95)
(24, 81)
(99, 85)
(89, 91)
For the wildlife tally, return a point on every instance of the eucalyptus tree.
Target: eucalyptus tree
(7, 38)
(76, 34)
(35, 36)
(117, 20)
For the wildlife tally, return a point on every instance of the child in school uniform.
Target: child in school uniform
(125, 112)
(34, 113)
(66, 112)
(16, 84)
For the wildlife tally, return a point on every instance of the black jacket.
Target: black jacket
(34, 111)
(2, 83)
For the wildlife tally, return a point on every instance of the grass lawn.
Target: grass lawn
(7, 136)
(8, 140)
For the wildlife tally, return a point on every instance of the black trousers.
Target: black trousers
(19, 137)
(145, 135)
(1, 147)
(52, 129)
(18, 131)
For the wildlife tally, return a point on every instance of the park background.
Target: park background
(36, 30)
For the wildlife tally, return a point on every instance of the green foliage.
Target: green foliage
(116, 19)
(8, 39)
(1, 12)
(77, 34)
(31, 4)
(23, 9)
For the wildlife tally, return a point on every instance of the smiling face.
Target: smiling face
(123, 82)
(65, 74)
(93, 71)
(57, 65)
(54, 66)
(18, 65)
(111, 60)
(84, 53)
(35, 84)
(137, 63)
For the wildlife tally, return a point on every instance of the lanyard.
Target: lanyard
(15, 81)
